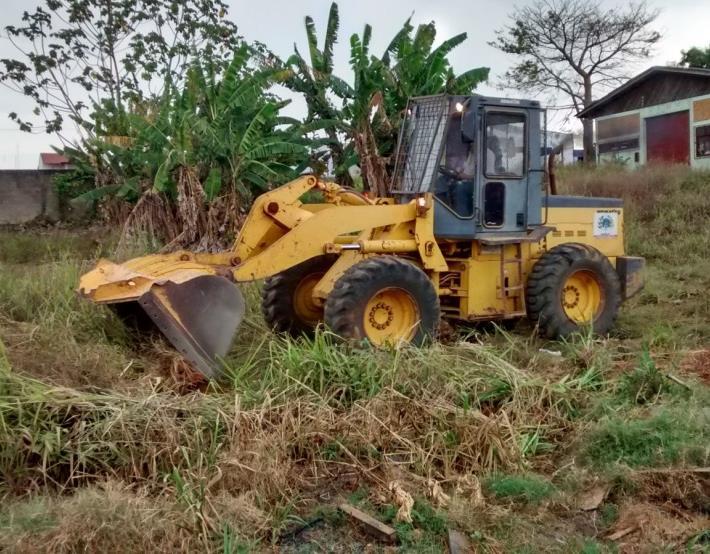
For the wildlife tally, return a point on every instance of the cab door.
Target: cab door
(503, 170)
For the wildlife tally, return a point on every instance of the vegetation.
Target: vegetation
(695, 57)
(179, 133)
(104, 445)
(79, 59)
(363, 129)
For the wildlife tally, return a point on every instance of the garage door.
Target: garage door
(668, 138)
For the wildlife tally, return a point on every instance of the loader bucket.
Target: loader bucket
(197, 310)
(199, 317)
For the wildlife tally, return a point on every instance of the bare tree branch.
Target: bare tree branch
(576, 47)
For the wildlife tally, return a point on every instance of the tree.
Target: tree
(575, 48)
(362, 115)
(193, 158)
(320, 87)
(77, 56)
(695, 57)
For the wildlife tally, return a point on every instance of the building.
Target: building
(51, 160)
(570, 144)
(659, 116)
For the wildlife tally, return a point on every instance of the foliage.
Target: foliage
(316, 82)
(646, 383)
(365, 125)
(79, 56)
(227, 128)
(575, 48)
(695, 57)
(191, 158)
(80, 179)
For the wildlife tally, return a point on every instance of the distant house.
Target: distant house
(659, 116)
(571, 149)
(51, 160)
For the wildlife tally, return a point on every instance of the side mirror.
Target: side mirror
(468, 123)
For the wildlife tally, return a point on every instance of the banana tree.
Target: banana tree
(314, 79)
(374, 99)
(198, 155)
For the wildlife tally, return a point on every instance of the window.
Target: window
(505, 144)
(494, 203)
(702, 141)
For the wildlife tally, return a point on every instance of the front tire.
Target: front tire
(287, 301)
(384, 300)
(571, 287)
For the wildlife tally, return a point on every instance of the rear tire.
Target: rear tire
(384, 300)
(570, 287)
(286, 300)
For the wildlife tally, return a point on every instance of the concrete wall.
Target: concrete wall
(26, 195)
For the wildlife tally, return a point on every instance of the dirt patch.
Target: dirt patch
(698, 363)
(644, 527)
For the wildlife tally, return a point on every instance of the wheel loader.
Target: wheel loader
(469, 231)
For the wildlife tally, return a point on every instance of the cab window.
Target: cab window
(505, 145)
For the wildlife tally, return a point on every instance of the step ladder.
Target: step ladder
(514, 292)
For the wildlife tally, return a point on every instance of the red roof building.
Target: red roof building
(52, 160)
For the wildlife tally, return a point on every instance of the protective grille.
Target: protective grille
(420, 144)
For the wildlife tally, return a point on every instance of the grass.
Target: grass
(101, 449)
(677, 436)
(526, 488)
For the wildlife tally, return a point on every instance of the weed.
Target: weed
(528, 488)
(645, 384)
(608, 514)
(670, 436)
(42, 246)
(427, 530)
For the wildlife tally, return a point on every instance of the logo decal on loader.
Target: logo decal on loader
(606, 223)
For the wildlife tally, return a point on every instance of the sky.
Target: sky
(279, 23)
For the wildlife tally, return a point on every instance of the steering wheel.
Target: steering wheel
(449, 172)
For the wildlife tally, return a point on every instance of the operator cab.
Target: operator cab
(480, 157)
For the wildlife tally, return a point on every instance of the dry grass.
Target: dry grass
(99, 450)
(107, 517)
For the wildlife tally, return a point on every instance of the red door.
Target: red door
(668, 138)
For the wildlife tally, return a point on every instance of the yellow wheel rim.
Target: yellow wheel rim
(391, 316)
(304, 304)
(582, 297)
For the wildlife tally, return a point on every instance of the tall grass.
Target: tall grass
(667, 207)
(86, 417)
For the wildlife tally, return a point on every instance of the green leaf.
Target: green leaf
(331, 37)
(95, 194)
(213, 184)
(161, 182)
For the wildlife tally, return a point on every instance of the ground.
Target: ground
(523, 445)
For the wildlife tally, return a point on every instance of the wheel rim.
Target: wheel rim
(304, 305)
(391, 316)
(582, 297)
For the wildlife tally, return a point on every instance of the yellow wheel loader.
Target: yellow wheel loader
(468, 232)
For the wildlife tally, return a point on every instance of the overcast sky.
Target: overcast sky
(279, 23)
